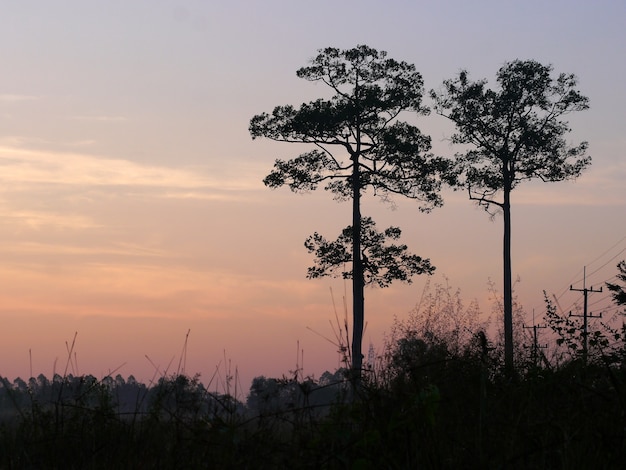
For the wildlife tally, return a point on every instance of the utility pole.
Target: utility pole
(534, 353)
(585, 314)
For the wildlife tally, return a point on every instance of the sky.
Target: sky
(137, 237)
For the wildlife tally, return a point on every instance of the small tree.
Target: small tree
(511, 134)
(442, 315)
(619, 292)
(359, 143)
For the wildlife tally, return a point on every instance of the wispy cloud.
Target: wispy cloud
(21, 166)
(22, 142)
(129, 250)
(82, 143)
(35, 220)
(203, 196)
(14, 98)
(99, 118)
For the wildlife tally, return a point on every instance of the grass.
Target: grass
(436, 398)
(432, 413)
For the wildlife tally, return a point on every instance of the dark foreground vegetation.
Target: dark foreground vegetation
(437, 396)
(437, 411)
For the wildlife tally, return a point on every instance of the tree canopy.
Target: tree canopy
(514, 133)
(383, 263)
(357, 126)
(358, 143)
(511, 134)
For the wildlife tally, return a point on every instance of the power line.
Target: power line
(575, 278)
(609, 249)
(598, 269)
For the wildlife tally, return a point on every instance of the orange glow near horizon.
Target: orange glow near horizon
(132, 207)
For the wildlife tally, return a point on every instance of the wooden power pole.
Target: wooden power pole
(586, 314)
(534, 352)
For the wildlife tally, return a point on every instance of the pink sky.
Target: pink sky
(131, 194)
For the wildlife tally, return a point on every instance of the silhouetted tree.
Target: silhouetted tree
(512, 134)
(360, 143)
(20, 385)
(42, 381)
(619, 292)
(440, 316)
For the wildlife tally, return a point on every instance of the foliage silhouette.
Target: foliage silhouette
(511, 134)
(619, 292)
(382, 263)
(359, 143)
(607, 343)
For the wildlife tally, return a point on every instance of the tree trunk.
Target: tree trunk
(508, 281)
(358, 281)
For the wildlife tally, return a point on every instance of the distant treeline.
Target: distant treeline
(130, 397)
